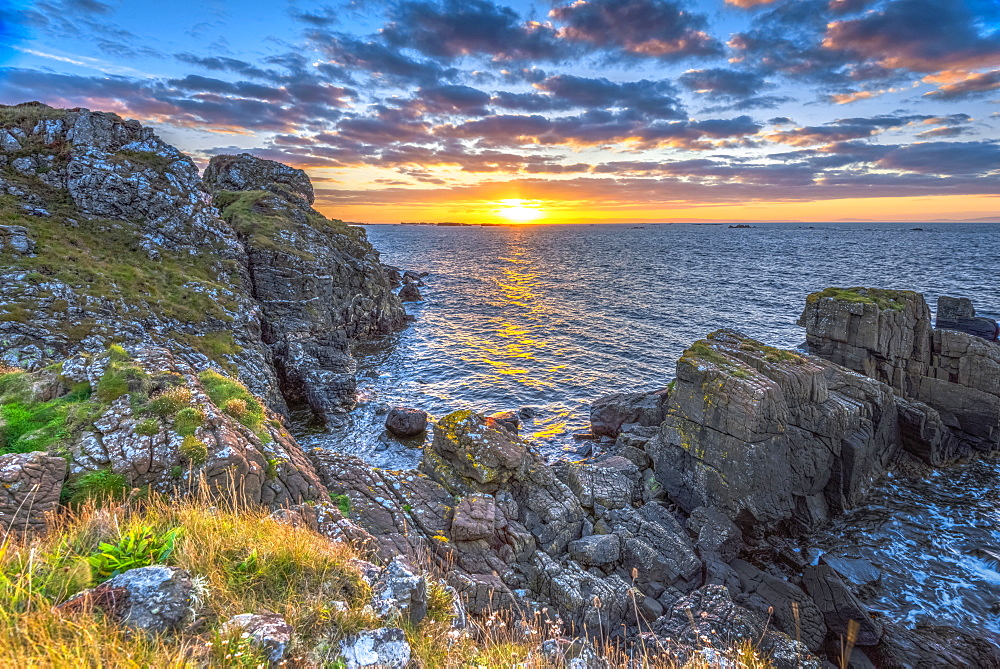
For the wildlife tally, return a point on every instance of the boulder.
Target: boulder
(406, 421)
(155, 599)
(475, 517)
(571, 654)
(839, 606)
(384, 648)
(708, 617)
(610, 482)
(957, 313)
(467, 453)
(30, 485)
(410, 293)
(508, 420)
(792, 610)
(609, 414)
(269, 632)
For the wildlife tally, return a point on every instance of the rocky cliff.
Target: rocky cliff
(110, 236)
(947, 382)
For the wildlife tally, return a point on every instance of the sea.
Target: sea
(552, 317)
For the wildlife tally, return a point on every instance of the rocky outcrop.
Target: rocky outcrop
(271, 633)
(609, 415)
(155, 599)
(949, 380)
(110, 236)
(773, 439)
(30, 486)
(318, 282)
(957, 313)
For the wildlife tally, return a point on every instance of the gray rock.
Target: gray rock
(475, 518)
(839, 606)
(269, 632)
(571, 654)
(153, 599)
(596, 550)
(384, 648)
(715, 533)
(609, 414)
(406, 421)
(610, 482)
(30, 485)
(957, 313)
(410, 293)
(792, 610)
(246, 172)
(400, 591)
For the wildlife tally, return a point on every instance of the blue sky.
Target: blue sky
(583, 110)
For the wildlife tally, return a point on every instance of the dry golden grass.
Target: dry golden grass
(244, 562)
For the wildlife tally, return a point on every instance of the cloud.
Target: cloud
(747, 4)
(390, 64)
(921, 35)
(972, 84)
(654, 28)
(655, 99)
(721, 82)
(453, 28)
(842, 130)
(953, 158)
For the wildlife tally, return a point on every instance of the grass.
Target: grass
(884, 299)
(27, 424)
(244, 561)
(234, 399)
(27, 114)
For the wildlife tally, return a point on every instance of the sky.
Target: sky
(569, 111)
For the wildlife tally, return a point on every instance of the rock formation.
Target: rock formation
(109, 236)
(947, 382)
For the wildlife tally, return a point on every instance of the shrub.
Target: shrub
(188, 420)
(343, 503)
(167, 403)
(136, 547)
(194, 449)
(148, 427)
(233, 398)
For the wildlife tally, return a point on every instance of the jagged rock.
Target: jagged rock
(656, 547)
(708, 617)
(887, 335)
(384, 648)
(935, 646)
(153, 599)
(270, 632)
(715, 533)
(475, 518)
(246, 172)
(792, 610)
(319, 283)
(611, 482)
(856, 571)
(410, 293)
(957, 313)
(406, 422)
(596, 550)
(507, 420)
(609, 414)
(839, 606)
(770, 436)
(275, 291)
(400, 592)
(30, 485)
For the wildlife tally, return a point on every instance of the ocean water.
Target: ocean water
(553, 317)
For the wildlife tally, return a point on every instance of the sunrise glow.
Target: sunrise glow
(520, 211)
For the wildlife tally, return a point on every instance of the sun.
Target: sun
(520, 211)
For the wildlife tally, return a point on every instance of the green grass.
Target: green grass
(234, 399)
(147, 158)
(101, 487)
(188, 420)
(884, 299)
(31, 425)
(194, 450)
(343, 503)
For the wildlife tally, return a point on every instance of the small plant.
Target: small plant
(167, 403)
(122, 376)
(148, 427)
(271, 471)
(188, 420)
(236, 649)
(408, 508)
(343, 503)
(194, 449)
(137, 547)
(176, 472)
(233, 398)
(440, 602)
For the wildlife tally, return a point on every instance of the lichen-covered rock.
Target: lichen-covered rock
(30, 485)
(467, 453)
(715, 533)
(270, 632)
(153, 599)
(770, 436)
(384, 648)
(399, 591)
(246, 172)
(596, 550)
